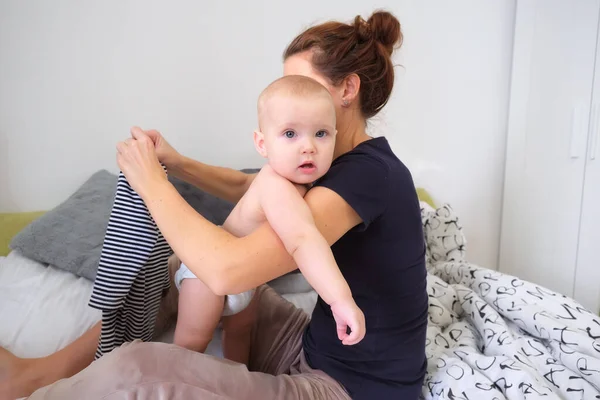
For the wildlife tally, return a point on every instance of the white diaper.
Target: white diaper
(233, 303)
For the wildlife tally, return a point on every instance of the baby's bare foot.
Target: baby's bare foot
(17, 378)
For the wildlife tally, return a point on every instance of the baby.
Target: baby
(296, 135)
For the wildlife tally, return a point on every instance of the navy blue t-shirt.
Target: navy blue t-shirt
(383, 261)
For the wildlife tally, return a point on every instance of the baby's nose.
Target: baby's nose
(308, 147)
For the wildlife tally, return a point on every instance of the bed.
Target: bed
(43, 308)
(490, 335)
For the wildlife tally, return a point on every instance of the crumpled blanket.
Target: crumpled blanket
(494, 336)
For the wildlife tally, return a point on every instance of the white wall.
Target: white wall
(74, 76)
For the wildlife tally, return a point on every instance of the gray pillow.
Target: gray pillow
(70, 236)
(210, 207)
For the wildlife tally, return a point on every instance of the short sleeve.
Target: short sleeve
(362, 180)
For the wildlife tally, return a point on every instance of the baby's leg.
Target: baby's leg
(237, 332)
(167, 313)
(199, 314)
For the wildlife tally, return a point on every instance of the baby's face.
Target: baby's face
(299, 136)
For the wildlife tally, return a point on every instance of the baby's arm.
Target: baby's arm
(290, 217)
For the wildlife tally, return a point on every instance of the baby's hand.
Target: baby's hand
(347, 314)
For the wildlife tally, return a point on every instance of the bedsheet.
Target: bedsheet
(42, 308)
(494, 336)
(490, 335)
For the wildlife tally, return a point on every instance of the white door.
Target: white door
(551, 91)
(587, 277)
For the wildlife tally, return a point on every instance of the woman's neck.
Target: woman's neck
(349, 137)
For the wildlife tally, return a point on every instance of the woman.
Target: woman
(366, 207)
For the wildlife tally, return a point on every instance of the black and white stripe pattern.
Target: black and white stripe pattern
(132, 273)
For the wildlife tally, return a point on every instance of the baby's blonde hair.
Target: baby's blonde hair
(295, 86)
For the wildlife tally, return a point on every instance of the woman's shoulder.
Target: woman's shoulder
(369, 178)
(371, 159)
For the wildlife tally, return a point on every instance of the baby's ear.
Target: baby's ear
(259, 143)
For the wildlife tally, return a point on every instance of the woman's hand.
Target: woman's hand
(164, 151)
(137, 159)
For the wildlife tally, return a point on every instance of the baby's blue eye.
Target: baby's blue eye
(321, 134)
(290, 134)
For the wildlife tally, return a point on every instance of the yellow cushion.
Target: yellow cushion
(424, 196)
(11, 224)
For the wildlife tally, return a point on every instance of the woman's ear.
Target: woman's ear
(259, 143)
(350, 89)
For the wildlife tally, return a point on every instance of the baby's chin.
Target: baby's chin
(305, 181)
(300, 178)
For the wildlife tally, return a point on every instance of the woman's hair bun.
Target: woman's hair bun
(361, 47)
(384, 27)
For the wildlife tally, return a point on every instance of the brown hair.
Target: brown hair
(363, 48)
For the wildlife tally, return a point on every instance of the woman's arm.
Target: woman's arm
(225, 183)
(228, 264)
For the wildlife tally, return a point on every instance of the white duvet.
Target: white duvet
(42, 308)
(490, 335)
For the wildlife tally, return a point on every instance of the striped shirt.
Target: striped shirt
(132, 273)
